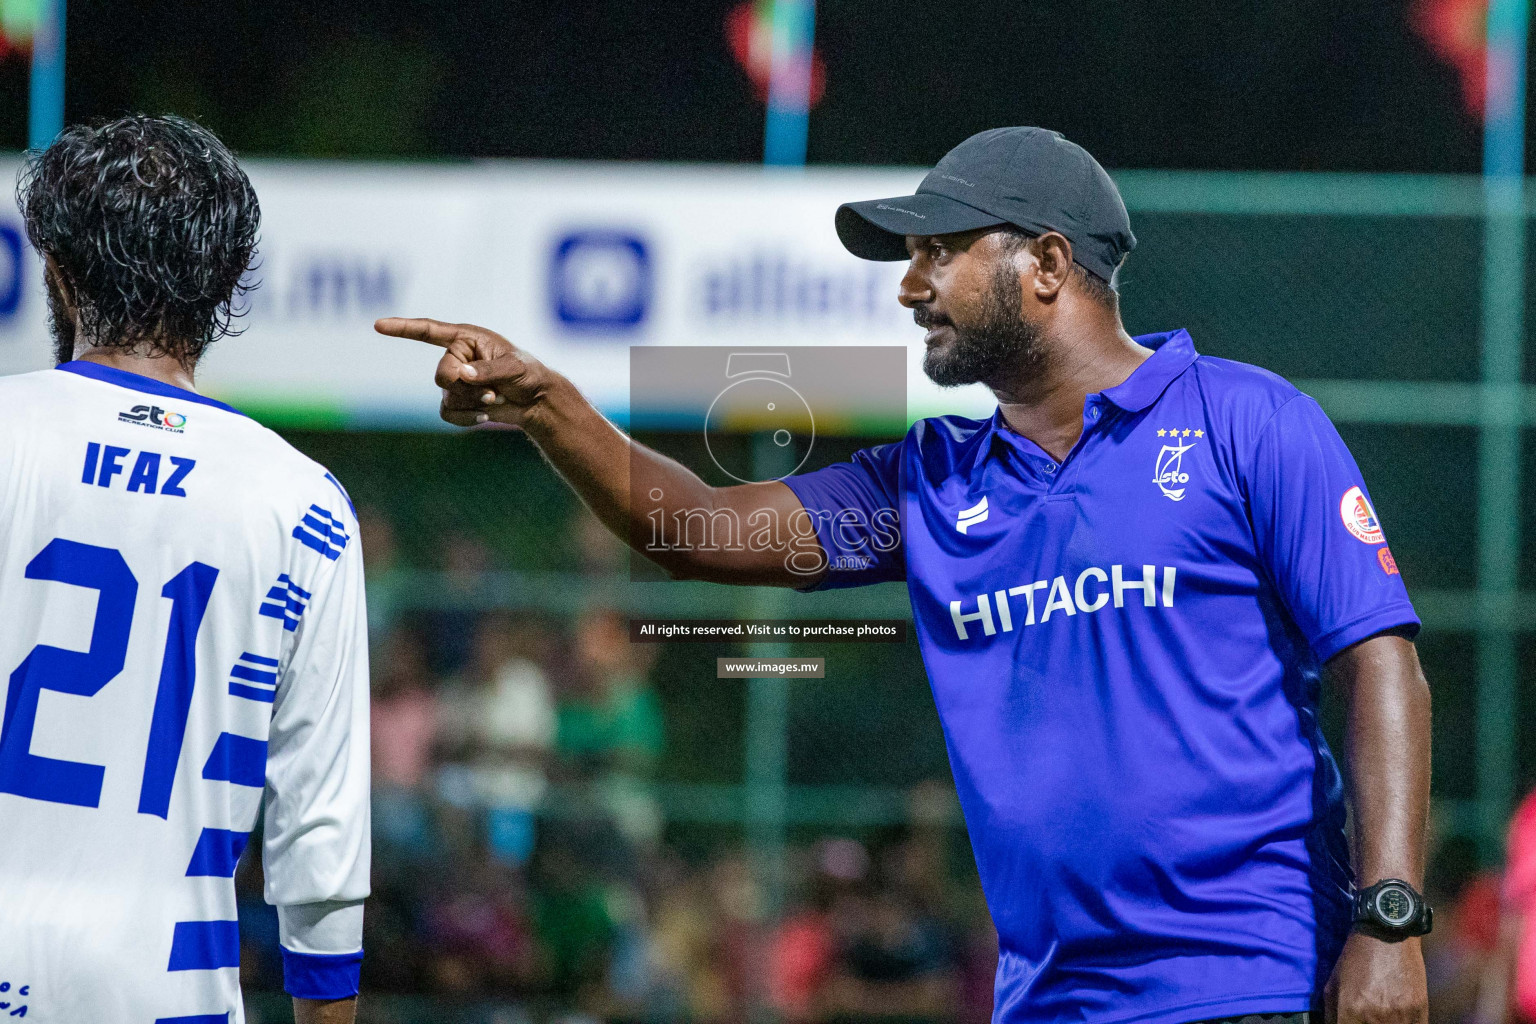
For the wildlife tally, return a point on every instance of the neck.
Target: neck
(1046, 406)
(166, 369)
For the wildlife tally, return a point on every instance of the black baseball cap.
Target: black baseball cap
(1031, 178)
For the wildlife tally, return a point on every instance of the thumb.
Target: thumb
(506, 371)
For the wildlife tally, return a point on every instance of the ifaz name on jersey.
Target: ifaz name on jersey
(154, 416)
(1034, 603)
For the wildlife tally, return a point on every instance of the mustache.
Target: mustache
(927, 319)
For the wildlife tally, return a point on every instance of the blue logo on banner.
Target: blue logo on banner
(10, 271)
(600, 280)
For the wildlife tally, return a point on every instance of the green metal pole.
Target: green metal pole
(767, 738)
(784, 144)
(1503, 332)
(767, 764)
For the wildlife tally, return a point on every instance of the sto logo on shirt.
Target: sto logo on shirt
(1359, 517)
(1169, 473)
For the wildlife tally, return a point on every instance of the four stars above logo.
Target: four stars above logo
(1186, 432)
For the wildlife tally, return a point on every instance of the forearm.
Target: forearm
(664, 510)
(750, 534)
(1377, 980)
(1388, 751)
(329, 1011)
(605, 467)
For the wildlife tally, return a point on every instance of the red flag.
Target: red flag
(750, 37)
(1457, 33)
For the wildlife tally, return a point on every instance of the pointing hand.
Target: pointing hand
(484, 376)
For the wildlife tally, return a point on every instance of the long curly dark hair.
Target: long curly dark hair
(151, 224)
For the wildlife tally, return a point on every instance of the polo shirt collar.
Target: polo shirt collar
(1173, 352)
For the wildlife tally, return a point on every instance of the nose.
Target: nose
(915, 288)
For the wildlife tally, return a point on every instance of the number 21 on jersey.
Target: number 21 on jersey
(84, 673)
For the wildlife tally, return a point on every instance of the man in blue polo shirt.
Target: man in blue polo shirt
(1128, 584)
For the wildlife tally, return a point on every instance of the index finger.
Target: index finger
(433, 332)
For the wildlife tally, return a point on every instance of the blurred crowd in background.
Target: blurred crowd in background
(524, 869)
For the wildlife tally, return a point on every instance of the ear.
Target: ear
(1053, 258)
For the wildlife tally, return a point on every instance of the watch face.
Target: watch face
(1395, 906)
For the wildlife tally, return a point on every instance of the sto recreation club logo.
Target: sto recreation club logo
(1168, 473)
(156, 417)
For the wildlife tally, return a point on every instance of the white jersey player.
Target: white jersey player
(184, 653)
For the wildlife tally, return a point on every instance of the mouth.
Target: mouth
(935, 323)
(936, 334)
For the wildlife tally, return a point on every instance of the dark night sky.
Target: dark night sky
(1244, 84)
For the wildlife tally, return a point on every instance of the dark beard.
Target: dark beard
(61, 323)
(1000, 346)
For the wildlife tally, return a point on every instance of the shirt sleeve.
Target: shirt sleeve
(855, 508)
(316, 844)
(1317, 534)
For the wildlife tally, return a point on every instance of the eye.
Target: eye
(936, 249)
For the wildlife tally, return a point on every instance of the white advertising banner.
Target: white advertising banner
(575, 262)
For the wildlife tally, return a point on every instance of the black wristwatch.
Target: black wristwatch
(1392, 909)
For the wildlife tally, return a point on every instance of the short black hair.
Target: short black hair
(152, 225)
(1092, 285)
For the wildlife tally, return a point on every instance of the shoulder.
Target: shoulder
(943, 444)
(1241, 399)
(1231, 382)
(311, 508)
(257, 467)
(23, 391)
(1253, 415)
(938, 443)
(296, 479)
(944, 431)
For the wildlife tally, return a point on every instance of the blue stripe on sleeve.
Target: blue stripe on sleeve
(257, 659)
(196, 1018)
(217, 852)
(237, 759)
(205, 945)
(321, 976)
(253, 675)
(253, 693)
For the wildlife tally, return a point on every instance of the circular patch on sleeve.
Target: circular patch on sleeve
(1359, 518)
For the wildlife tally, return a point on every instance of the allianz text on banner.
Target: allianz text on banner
(576, 262)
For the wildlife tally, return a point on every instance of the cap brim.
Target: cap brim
(877, 229)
